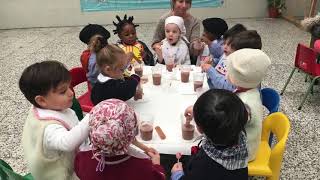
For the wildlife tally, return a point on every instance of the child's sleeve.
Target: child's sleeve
(177, 175)
(216, 49)
(147, 56)
(126, 89)
(218, 80)
(158, 172)
(57, 137)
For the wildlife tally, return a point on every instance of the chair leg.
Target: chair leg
(285, 86)
(308, 91)
(306, 78)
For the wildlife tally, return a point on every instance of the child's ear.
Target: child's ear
(107, 68)
(41, 101)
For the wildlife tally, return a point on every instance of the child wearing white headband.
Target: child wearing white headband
(174, 45)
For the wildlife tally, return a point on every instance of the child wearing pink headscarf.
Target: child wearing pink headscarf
(113, 127)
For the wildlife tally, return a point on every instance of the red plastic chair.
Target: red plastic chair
(78, 76)
(305, 61)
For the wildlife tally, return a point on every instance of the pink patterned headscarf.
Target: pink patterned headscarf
(113, 127)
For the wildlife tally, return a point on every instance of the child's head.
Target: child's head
(46, 85)
(112, 61)
(113, 127)
(246, 68)
(126, 30)
(245, 39)
(221, 116)
(227, 37)
(213, 28)
(89, 31)
(174, 29)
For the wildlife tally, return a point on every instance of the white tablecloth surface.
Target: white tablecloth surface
(167, 103)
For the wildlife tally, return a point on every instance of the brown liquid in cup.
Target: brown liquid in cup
(156, 79)
(197, 84)
(169, 67)
(138, 71)
(187, 131)
(138, 94)
(146, 132)
(185, 76)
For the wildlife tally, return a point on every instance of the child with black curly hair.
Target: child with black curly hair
(126, 30)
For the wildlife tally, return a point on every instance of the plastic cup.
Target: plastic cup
(156, 75)
(139, 93)
(197, 80)
(169, 64)
(146, 127)
(187, 129)
(185, 73)
(138, 69)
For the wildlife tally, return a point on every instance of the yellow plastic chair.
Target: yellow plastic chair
(268, 161)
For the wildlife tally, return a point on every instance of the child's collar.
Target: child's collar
(102, 78)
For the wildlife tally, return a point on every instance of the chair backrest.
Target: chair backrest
(306, 60)
(270, 99)
(277, 123)
(78, 76)
(84, 59)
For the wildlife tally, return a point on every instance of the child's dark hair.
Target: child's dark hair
(246, 39)
(108, 55)
(122, 23)
(221, 115)
(233, 31)
(40, 78)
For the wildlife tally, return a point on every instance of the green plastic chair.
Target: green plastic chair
(7, 173)
(77, 108)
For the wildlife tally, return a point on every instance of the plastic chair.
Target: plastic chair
(271, 100)
(6, 172)
(305, 61)
(268, 160)
(78, 76)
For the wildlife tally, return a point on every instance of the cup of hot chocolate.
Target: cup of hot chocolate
(146, 127)
(138, 69)
(156, 75)
(185, 73)
(197, 80)
(169, 63)
(139, 93)
(187, 129)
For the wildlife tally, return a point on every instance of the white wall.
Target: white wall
(49, 13)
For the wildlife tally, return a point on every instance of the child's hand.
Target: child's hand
(206, 40)
(188, 113)
(177, 167)
(155, 157)
(198, 47)
(205, 67)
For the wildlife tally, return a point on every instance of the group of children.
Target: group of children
(59, 146)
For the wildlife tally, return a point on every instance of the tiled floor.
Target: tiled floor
(22, 47)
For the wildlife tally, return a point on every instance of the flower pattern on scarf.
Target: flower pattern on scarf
(112, 127)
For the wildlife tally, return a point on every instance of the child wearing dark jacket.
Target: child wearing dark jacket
(112, 62)
(221, 116)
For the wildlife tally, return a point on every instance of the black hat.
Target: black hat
(215, 26)
(92, 29)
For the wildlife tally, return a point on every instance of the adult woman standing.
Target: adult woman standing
(192, 24)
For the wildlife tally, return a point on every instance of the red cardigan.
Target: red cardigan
(131, 169)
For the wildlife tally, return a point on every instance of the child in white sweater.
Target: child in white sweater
(52, 133)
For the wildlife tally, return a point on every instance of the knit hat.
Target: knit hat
(247, 67)
(215, 26)
(177, 20)
(92, 29)
(113, 127)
